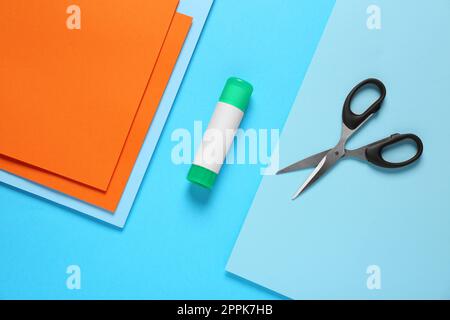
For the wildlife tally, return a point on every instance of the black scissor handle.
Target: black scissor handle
(352, 120)
(374, 152)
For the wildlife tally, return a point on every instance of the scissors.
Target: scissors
(372, 153)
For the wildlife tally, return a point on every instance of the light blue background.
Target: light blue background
(178, 238)
(319, 246)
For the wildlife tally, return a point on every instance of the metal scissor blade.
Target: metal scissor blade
(309, 162)
(324, 165)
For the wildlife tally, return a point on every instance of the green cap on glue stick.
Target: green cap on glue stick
(219, 136)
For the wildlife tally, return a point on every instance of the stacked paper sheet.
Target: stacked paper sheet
(79, 88)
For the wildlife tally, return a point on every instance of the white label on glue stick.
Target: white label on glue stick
(219, 136)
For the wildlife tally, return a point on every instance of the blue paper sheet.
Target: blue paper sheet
(198, 9)
(361, 232)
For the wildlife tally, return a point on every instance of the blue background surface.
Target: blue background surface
(178, 238)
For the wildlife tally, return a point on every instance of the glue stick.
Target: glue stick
(220, 133)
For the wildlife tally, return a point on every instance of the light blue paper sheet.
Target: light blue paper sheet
(362, 232)
(198, 9)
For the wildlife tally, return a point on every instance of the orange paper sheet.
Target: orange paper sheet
(109, 200)
(69, 92)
